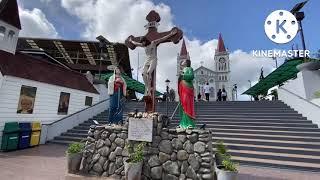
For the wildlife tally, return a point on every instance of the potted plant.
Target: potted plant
(221, 152)
(133, 165)
(228, 170)
(74, 157)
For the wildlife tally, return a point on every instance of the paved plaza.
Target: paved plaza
(48, 162)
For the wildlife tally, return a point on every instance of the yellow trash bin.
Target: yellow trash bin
(35, 134)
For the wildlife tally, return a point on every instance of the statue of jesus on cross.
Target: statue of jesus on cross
(150, 42)
(150, 63)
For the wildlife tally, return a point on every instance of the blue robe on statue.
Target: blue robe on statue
(116, 108)
(116, 89)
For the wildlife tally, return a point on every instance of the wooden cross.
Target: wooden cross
(153, 19)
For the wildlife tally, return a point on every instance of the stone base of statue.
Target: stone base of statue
(169, 154)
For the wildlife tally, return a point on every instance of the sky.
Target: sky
(240, 22)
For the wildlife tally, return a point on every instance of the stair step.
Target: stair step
(278, 163)
(63, 142)
(69, 138)
(264, 132)
(248, 120)
(274, 149)
(260, 141)
(276, 156)
(271, 137)
(262, 123)
(80, 135)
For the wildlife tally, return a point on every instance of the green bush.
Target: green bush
(229, 165)
(136, 153)
(75, 148)
(221, 148)
(317, 94)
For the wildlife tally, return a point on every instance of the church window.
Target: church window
(11, 34)
(201, 72)
(2, 32)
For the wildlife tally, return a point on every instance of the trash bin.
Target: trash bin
(35, 134)
(10, 136)
(25, 131)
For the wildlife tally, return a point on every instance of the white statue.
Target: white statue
(151, 60)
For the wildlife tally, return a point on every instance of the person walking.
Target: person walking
(219, 95)
(199, 97)
(207, 91)
(224, 95)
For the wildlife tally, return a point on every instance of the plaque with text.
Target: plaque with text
(140, 129)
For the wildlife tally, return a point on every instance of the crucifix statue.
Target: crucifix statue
(150, 43)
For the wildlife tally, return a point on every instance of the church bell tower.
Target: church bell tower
(9, 25)
(222, 67)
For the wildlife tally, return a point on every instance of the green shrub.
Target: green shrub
(75, 148)
(221, 148)
(317, 94)
(136, 153)
(229, 165)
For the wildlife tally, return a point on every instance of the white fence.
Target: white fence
(308, 109)
(49, 131)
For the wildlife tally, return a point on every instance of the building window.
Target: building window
(201, 72)
(226, 78)
(88, 101)
(2, 32)
(10, 35)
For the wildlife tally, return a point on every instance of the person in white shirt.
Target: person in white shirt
(224, 95)
(207, 91)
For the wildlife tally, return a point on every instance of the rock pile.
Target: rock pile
(172, 155)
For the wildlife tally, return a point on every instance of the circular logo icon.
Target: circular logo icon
(281, 26)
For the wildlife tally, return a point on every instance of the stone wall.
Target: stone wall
(172, 155)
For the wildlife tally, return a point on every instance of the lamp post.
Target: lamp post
(103, 42)
(300, 16)
(167, 88)
(250, 87)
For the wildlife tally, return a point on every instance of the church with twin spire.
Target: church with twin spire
(217, 77)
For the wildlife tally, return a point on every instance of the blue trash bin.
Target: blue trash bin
(24, 138)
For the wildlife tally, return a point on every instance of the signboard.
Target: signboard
(140, 129)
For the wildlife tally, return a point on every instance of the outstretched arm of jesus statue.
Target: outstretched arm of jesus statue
(135, 43)
(160, 40)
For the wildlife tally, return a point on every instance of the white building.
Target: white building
(218, 78)
(33, 89)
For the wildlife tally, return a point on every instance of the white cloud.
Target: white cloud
(117, 19)
(35, 24)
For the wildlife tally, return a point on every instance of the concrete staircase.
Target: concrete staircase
(264, 133)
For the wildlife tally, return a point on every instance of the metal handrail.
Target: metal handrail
(77, 112)
(174, 112)
(300, 97)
